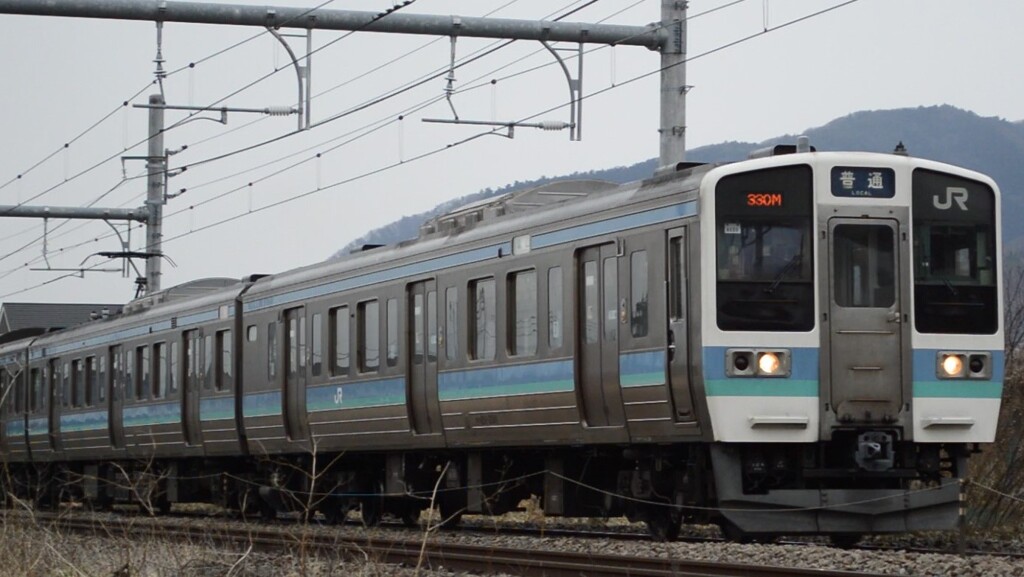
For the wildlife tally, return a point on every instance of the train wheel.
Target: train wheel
(451, 508)
(372, 511)
(334, 510)
(411, 516)
(663, 524)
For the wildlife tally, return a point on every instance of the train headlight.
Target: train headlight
(964, 365)
(952, 366)
(768, 363)
(757, 363)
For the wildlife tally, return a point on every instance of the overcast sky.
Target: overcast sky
(61, 76)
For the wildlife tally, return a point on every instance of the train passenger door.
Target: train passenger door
(295, 374)
(193, 346)
(678, 319)
(865, 328)
(115, 397)
(597, 336)
(421, 334)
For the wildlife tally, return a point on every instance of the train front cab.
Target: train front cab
(853, 343)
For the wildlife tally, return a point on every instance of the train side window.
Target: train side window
(451, 323)
(224, 366)
(90, 381)
(78, 383)
(432, 326)
(37, 390)
(56, 384)
(173, 365)
(611, 299)
(392, 332)
(555, 308)
(252, 333)
(638, 293)
(482, 319)
(142, 385)
(522, 324)
(340, 341)
(102, 389)
(129, 375)
(368, 337)
(271, 351)
(208, 362)
(159, 370)
(318, 345)
(677, 279)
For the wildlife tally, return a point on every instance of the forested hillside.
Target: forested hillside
(993, 146)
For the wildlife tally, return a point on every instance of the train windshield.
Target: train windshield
(764, 250)
(954, 255)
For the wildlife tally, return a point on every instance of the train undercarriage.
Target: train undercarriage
(753, 491)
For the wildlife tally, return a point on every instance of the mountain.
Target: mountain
(993, 146)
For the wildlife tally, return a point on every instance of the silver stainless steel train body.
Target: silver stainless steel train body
(800, 343)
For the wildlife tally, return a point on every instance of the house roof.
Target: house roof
(46, 317)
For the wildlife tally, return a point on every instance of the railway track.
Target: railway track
(433, 554)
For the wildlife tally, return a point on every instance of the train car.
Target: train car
(799, 343)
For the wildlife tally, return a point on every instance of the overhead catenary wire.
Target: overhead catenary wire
(474, 137)
(121, 106)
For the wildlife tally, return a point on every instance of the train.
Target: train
(797, 343)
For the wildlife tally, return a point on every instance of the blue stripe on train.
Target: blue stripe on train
(534, 378)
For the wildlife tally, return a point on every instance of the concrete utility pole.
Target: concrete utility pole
(668, 37)
(156, 171)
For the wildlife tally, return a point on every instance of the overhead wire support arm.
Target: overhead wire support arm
(650, 36)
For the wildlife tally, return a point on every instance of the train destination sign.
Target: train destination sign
(863, 182)
(766, 199)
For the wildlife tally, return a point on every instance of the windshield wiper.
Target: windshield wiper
(952, 289)
(793, 262)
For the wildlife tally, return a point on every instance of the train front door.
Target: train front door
(865, 320)
(597, 336)
(421, 345)
(115, 397)
(295, 374)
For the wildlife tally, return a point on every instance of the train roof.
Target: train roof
(480, 222)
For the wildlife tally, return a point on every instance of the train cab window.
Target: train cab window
(368, 336)
(482, 319)
(522, 322)
(764, 263)
(142, 366)
(451, 323)
(954, 255)
(271, 351)
(555, 308)
(224, 368)
(159, 370)
(208, 364)
(340, 345)
(173, 369)
(638, 294)
(318, 345)
(393, 332)
(78, 383)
